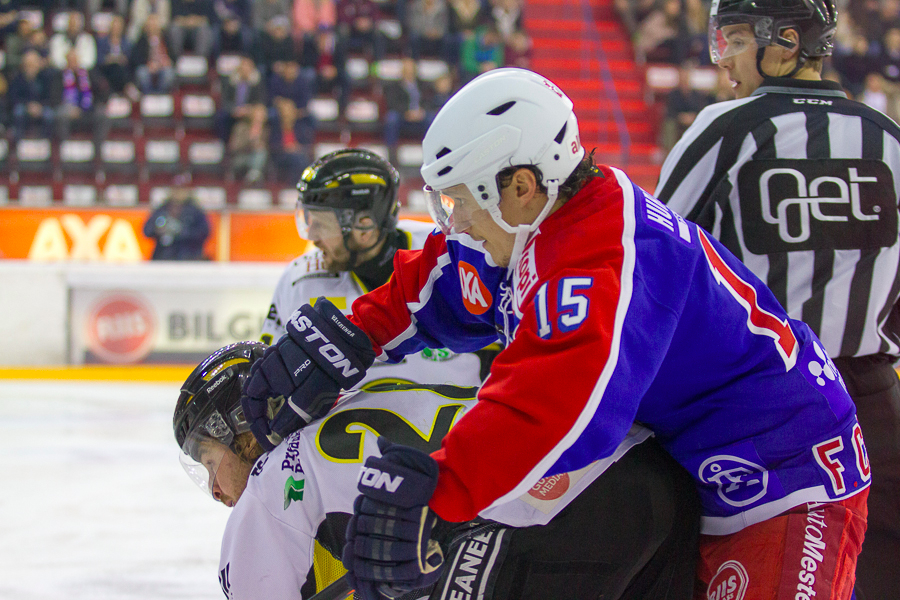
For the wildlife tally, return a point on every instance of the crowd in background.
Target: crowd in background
(866, 58)
(56, 81)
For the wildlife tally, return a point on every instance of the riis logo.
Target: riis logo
(792, 204)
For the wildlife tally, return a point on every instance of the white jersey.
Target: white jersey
(306, 279)
(299, 496)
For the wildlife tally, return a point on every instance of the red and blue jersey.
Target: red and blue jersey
(619, 311)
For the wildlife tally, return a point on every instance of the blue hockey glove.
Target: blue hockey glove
(322, 353)
(389, 550)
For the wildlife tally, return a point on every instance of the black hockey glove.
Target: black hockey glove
(389, 550)
(322, 353)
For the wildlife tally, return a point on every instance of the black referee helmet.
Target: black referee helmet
(814, 20)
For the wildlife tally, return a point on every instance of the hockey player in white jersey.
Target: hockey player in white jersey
(291, 506)
(347, 207)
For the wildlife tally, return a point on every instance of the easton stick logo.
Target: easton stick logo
(293, 490)
(327, 349)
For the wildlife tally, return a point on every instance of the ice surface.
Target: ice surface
(93, 501)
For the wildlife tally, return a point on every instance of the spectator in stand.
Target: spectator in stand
(9, 15)
(517, 50)
(405, 108)
(310, 16)
(632, 13)
(682, 105)
(661, 35)
(16, 44)
(81, 100)
(465, 17)
(179, 226)
(888, 18)
(292, 125)
(191, 27)
(233, 32)
(151, 61)
(266, 10)
(873, 93)
(232, 37)
(242, 120)
(328, 63)
(428, 28)
(855, 66)
(357, 31)
(273, 44)
(75, 37)
(507, 16)
(4, 105)
(114, 57)
(31, 96)
(141, 9)
(480, 53)
(889, 62)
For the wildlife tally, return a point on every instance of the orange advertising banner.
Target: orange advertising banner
(115, 235)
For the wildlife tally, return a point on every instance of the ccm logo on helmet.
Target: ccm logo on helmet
(376, 479)
(328, 350)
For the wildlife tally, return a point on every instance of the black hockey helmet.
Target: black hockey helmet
(814, 20)
(209, 407)
(349, 182)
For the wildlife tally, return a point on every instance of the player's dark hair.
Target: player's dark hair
(583, 173)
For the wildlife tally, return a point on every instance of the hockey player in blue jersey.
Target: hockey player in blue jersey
(613, 309)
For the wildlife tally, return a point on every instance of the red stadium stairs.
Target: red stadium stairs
(582, 46)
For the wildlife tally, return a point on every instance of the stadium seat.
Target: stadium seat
(79, 194)
(4, 153)
(287, 198)
(118, 112)
(363, 115)
(157, 111)
(34, 154)
(226, 64)
(77, 156)
(389, 69)
(120, 193)
(429, 69)
(211, 197)
(191, 69)
(358, 71)
(323, 148)
(35, 194)
(2, 60)
(4, 195)
(60, 20)
(254, 199)
(119, 156)
(198, 111)
(162, 156)
(206, 156)
(409, 155)
(100, 22)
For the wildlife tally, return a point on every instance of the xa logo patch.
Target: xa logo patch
(476, 297)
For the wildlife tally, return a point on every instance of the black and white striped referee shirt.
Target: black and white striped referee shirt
(802, 184)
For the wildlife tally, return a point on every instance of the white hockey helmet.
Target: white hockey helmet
(502, 118)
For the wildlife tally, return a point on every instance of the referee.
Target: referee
(801, 183)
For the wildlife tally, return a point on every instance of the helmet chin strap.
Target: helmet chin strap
(524, 232)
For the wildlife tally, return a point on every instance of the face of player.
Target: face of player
(740, 60)
(228, 473)
(321, 227)
(470, 218)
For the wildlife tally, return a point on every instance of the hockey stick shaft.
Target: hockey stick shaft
(336, 590)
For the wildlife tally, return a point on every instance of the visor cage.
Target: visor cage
(208, 434)
(722, 46)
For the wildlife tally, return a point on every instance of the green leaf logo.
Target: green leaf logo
(293, 490)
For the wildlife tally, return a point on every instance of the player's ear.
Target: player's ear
(525, 184)
(793, 38)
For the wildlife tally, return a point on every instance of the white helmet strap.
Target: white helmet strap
(524, 232)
